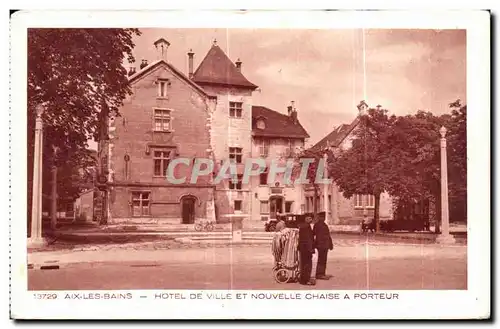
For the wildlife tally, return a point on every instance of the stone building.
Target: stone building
(206, 113)
(275, 137)
(165, 117)
(339, 209)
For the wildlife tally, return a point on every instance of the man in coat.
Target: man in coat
(323, 243)
(306, 250)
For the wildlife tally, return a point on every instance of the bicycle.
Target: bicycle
(204, 226)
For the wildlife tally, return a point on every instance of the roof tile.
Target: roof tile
(276, 124)
(336, 137)
(217, 68)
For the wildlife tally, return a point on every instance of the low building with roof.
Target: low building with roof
(338, 209)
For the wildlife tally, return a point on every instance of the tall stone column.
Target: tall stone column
(36, 239)
(445, 237)
(53, 218)
(334, 205)
(326, 188)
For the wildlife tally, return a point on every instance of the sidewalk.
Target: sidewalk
(232, 254)
(127, 233)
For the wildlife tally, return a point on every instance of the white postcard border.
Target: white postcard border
(438, 304)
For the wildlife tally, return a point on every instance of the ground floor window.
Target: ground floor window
(264, 207)
(361, 201)
(141, 204)
(288, 206)
(309, 203)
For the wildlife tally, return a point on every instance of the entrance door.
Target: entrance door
(275, 206)
(188, 211)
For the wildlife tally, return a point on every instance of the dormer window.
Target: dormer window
(163, 87)
(261, 124)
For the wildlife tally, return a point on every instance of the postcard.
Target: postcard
(250, 165)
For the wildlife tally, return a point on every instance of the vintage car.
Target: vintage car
(291, 220)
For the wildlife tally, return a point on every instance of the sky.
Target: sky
(327, 73)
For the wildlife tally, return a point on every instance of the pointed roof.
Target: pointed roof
(276, 124)
(137, 75)
(161, 40)
(217, 68)
(337, 136)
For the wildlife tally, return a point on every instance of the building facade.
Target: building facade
(206, 113)
(165, 117)
(341, 210)
(276, 138)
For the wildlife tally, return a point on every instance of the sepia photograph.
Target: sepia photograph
(266, 162)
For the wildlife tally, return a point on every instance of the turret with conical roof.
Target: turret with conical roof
(217, 69)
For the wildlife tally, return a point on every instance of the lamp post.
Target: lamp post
(36, 239)
(445, 237)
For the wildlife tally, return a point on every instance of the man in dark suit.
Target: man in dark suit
(323, 243)
(306, 250)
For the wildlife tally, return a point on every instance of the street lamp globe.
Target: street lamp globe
(442, 131)
(39, 110)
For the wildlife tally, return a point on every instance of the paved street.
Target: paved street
(361, 266)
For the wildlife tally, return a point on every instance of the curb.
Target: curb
(45, 266)
(388, 235)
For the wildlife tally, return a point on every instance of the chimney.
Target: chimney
(238, 65)
(362, 108)
(131, 71)
(161, 46)
(292, 112)
(190, 63)
(294, 117)
(144, 63)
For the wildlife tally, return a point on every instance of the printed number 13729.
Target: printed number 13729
(45, 296)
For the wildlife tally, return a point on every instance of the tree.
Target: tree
(457, 161)
(365, 168)
(74, 74)
(414, 141)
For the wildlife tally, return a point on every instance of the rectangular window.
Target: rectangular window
(288, 206)
(161, 160)
(264, 145)
(361, 201)
(263, 178)
(238, 205)
(235, 109)
(162, 88)
(162, 120)
(238, 185)
(140, 204)
(370, 201)
(329, 203)
(264, 207)
(236, 154)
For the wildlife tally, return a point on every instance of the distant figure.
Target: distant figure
(306, 250)
(368, 224)
(323, 243)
